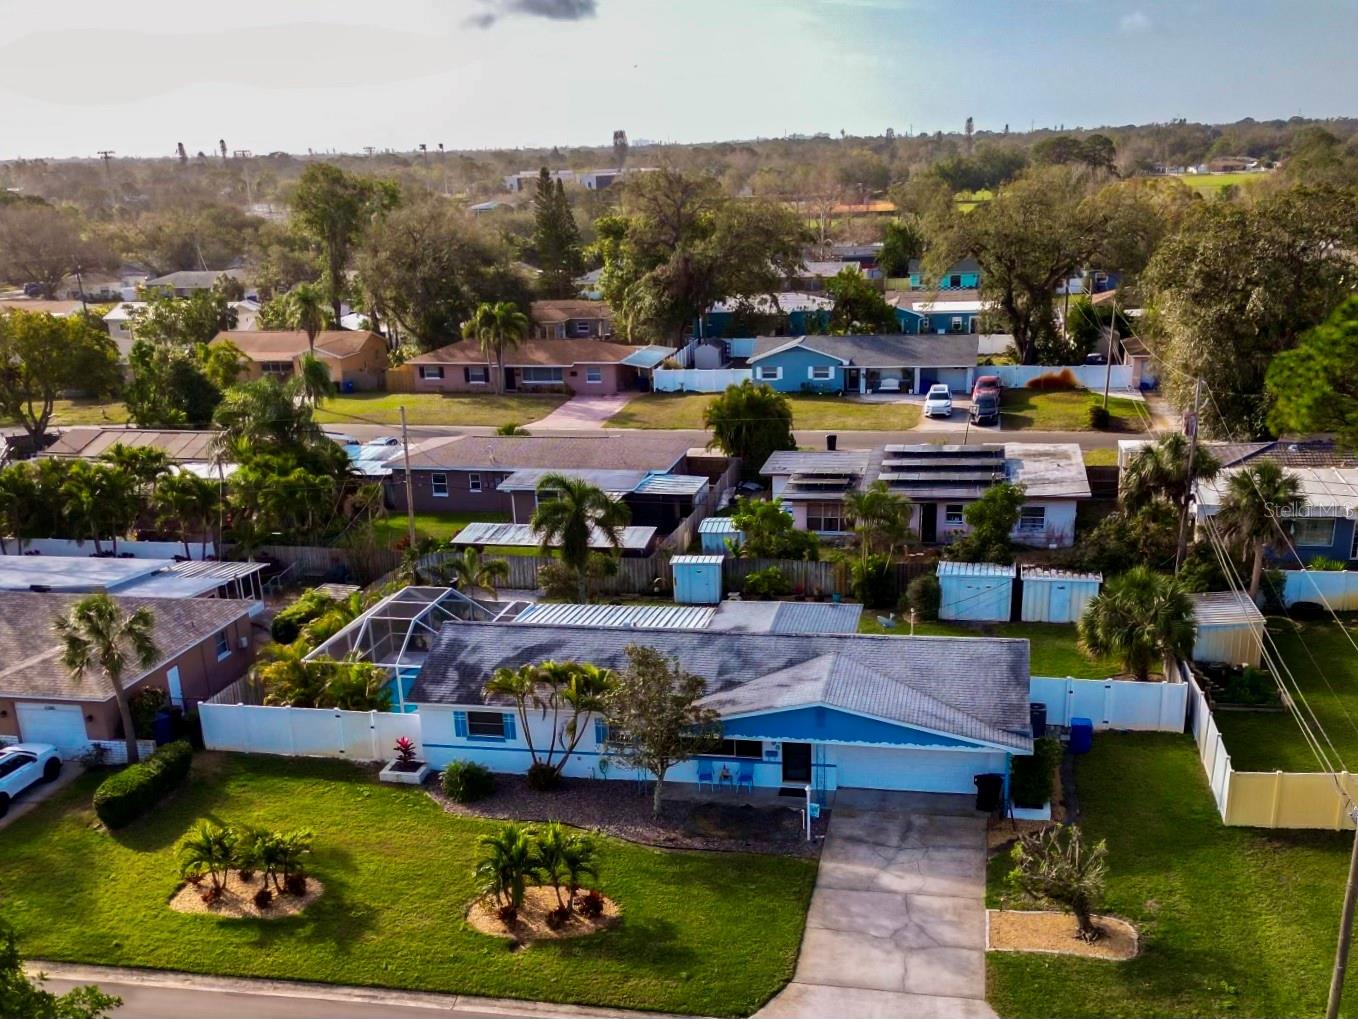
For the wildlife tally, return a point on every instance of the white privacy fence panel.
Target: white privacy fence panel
(136, 549)
(1090, 376)
(1112, 703)
(1337, 590)
(1216, 762)
(698, 380)
(307, 732)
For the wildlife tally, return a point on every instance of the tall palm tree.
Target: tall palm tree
(1139, 616)
(18, 495)
(145, 464)
(569, 514)
(312, 383)
(881, 518)
(188, 504)
(469, 572)
(100, 500)
(520, 686)
(97, 634)
(306, 311)
(497, 328)
(1160, 471)
(1249, 516)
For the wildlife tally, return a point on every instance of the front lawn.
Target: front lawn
(1233, 921)
(703, 933)
(394, 529)
(1066, 411)
(86, 412)
(1052, 647)
(1325, 666)
(438, 409)
(817, 413)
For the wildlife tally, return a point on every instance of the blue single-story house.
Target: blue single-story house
(938, 312)
(865, 364)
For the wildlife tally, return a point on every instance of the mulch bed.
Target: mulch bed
(1054, 933)
(238, 899)
(616, 809)
(531, 923)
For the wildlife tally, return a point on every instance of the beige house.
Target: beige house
(357, 358)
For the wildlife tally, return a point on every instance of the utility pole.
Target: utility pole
(410, 492)
(107, 156)
(1108, 370)
(1341, 955)
(1191, 423)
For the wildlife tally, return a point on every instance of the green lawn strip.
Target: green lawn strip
(818, 413)
(1101, 457)
(703, 933)
(438, 409)
(1066, 411)
(1233, 921)
(88, 412)
(1207, 183)
(1052, 645)
(394, 529)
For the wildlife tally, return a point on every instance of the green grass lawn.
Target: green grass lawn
(1209, 183)
(1233, 921)
(685, 410)
(1325, 666)
(438, 409)
(1101, 457)
(394, 529)
(702, 933)
(1052, 649)
(1066, 411)
(87, 412)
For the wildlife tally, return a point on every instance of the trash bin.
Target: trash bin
(162, 728)
(831, 442)
(348, 386)
(989, 791)
(1081, 735)
(1037, 715)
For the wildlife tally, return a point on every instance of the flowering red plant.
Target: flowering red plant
(405, 750)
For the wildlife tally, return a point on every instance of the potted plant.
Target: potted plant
(406, 768)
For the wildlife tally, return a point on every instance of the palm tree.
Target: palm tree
(1160, 471)
(470, 573)
(100, 499)
(551, 857)
(306, 311)
(189, 504)
(18, 493)
(1140, 616)
(1255, 495)
(312, 383)
(497, 328)
(508, 862)
(570, 513)
(145, 464)
(520, 686)
(96, 633)
(881, 519)
(208, 849)
(580, 857)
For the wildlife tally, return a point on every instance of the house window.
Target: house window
(477, 376)
(748, 748)
(1315, 532)
(822, 372)
(955, 282)
(952, 514)
(768, 373)
(540, 376)
(957, 323)
(431, 371)
(487, 725)
(1032, 518)
(438, 484)
(473, 482)
(825, 516)
(279, 369)
(223, 645)
(594, 374)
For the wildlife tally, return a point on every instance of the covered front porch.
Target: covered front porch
(863, 380)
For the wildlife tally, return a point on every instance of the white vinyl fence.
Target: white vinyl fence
(1112, 703)
(1337, 590)
(1090, 376)
(699, 380)
(136, 549)
(307, 732)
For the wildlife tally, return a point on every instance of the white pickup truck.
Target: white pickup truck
(23, 765)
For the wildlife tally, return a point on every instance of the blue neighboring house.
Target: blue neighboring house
(865, 364)
(957, 311)
(793, 313)
(962, 275)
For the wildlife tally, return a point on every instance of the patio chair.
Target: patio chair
(745, 779)
(705, 776)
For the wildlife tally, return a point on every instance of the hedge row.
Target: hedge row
(124, 796)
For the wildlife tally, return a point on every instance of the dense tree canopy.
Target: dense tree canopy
(1313, 387)
(42, 357)
(43, 245)
(556, 239)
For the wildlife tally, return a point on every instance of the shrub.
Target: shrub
(145, 705)
(558, 917)
(1032, 779)
(1055, 382)
(1099, 418)
(287, 625)
(924, 595)
(507, 914)
(1325, 564)
(263, 898)
(590, 904)
(874, 583)
(467, 781)
(295, 884)
(766, 583)
(405, 750)
(124, 796)
(246, 874)
(1306, 611)
(543, 777)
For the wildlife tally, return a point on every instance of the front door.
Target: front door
(928, 522)
(511, 380)
(797, 763)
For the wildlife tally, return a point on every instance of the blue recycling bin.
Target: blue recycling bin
(348, 386)
(162, 728)
(1081, 735)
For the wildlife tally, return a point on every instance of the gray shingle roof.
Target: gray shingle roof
(978, 684)
(950, 350)
(660, 451)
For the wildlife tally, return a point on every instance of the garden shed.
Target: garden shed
(1230, 628)
(697, 579)
(715, 532)
(978, 592)
(1056, 596)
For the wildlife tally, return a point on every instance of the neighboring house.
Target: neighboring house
(356, 359)
(191, 449)
(571, 320)
(589, 285)
(941, 481)
(658, 499)
(797, 313)
(964, 274)
(463, 474)
(69, 567)
(527, 180)
(598, 180)
(865, 255)
(186, 282)
(813, 273)
(551, 366)
(205, 644)
(121, 317)
(864, 364)
(938, 312)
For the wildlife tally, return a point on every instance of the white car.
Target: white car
(938, 401)
(23, 765)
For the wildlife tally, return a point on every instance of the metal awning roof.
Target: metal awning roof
(643, 617)
(632, 539)
(951, 569)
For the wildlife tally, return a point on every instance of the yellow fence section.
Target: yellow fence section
(1290, 799)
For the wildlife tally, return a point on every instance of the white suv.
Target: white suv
(938, 402)
(23, 765)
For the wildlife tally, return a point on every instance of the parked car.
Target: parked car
(986, 383)
(32, 289)
(938, 401)
(985, 408)
(1096, 359)
(24, 765)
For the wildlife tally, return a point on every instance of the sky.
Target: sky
(326, 75)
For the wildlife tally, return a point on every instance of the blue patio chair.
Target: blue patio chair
(705, 776)
(745, 779)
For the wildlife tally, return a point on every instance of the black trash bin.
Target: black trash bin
(832, 442)
(1037, 714)
(989, 792)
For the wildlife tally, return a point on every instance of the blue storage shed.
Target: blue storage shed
(697, 579)
(1056, 596)
(976, 592)
(719, 535)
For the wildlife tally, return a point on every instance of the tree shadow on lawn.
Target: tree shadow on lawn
(649, 942)
(169, 820)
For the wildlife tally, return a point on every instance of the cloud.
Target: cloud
(552, 10)
(1134, 23)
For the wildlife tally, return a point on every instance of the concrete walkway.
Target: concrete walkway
(897, 920)
(584, 413)
(29, 799)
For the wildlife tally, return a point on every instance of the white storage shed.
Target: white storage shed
(1230, 628)
(976, 592)
(1056, 596)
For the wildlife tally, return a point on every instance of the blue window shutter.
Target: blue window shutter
(600, 731)
(460, 724)
(509, 726)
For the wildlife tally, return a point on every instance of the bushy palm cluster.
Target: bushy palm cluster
(513, 856)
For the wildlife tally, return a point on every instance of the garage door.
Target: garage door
(62, 725)
(930, 771)
(956, 378)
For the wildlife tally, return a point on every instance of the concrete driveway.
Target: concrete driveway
(583, 413)
(897, 920)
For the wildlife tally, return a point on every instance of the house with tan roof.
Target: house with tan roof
(357, 359)
(571, 320)
(541, 366)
